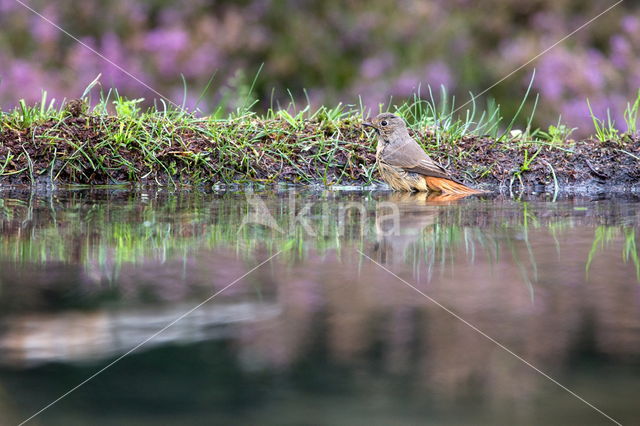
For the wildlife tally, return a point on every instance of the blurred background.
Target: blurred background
(335, 51)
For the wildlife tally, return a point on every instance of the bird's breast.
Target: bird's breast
(396, 177)
(380, 147)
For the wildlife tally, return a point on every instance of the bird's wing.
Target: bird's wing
(411, 157)
(428, 167)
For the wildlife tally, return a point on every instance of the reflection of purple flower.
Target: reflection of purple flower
(308, 293)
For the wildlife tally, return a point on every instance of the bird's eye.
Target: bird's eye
(383, 123)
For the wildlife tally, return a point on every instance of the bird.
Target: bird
(404, 165)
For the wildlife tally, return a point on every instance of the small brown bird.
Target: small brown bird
(404, 165)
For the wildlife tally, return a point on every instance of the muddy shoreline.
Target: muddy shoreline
(83, 150)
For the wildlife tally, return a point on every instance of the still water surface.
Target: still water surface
(323, 333)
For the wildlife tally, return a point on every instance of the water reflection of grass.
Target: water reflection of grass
(605, 236)
(443, 246)
(136, 228)
(108, 229)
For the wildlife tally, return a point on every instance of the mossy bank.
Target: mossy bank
(72, 144)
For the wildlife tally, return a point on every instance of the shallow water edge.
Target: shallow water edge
(323, 328)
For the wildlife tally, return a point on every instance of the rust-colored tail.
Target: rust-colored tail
(448, 186)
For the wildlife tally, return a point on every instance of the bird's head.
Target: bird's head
(387, 124)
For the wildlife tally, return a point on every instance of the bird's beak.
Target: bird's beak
(369, 124)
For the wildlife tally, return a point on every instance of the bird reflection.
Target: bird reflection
(403, 219)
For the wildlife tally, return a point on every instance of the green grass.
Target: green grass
(605, 129)
(116, 140)
(121, 142)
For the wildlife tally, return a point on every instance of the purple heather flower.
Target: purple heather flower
(516, 50)
(170, 39)
(44, 31)
(169, 16)
(461, 44)
(438, 74)
(257, 9)
(592, 70)
(576, 113)
(23, 80)
(375, 66)
(372, 94)
(630, 24)
(138, 13)
(84, 64)
(112, 49)
(203, 61)
(191, 101)
(547, 21)
(406, 84)
(621, 51)
(550, 69)
(634, 79)
(7, 6)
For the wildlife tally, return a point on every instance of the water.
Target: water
(324, 332)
